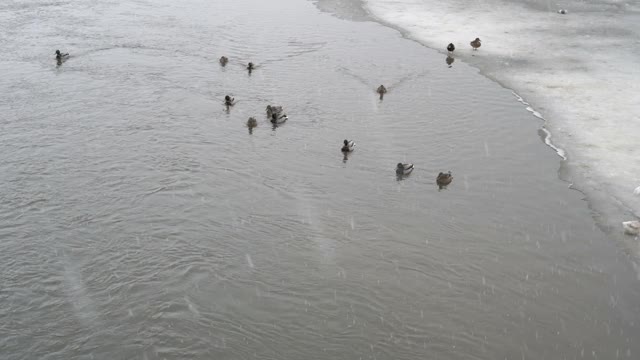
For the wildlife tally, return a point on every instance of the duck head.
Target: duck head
(346, 142)
(58, 52)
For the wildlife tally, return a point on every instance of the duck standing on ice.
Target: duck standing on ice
(475, 44)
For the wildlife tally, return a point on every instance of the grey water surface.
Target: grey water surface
(141, 220)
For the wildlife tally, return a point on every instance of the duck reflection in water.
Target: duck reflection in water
(450, 59)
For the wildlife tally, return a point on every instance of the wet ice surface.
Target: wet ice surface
(579, 70)
(138, 219)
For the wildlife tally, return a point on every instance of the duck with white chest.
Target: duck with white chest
(348, 146)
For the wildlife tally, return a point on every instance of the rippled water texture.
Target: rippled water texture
(140, 220)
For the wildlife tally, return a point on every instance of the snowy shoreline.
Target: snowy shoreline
(574, 68)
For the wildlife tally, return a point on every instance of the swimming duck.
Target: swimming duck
(223, 61)
(475, 44)
(229, 101)
(250, 67)
(450, 47)
(631, 227)
(404, 169)
(348, 145)
(444, 179)
(273, 110)
(562, 11)
(381, 90)
(61, 56)
(252, 122)
(278, 119)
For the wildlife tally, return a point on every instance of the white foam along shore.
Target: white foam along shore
(580, 70)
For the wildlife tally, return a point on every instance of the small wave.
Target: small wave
(546, 133)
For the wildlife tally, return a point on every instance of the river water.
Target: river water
(140, 220)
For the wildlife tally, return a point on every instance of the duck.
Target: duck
(381, 90)
(348, 145)
(451, 47)
(252, 122)
(224, 60)
(61, 56)
(278, 119)
(273, 110)
(475, 44)
(250, 66)
(444, 179)
(404, 169)
(229, 101)
(631, 227)
(562, 11)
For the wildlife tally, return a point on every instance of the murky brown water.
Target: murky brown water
(138, 219)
